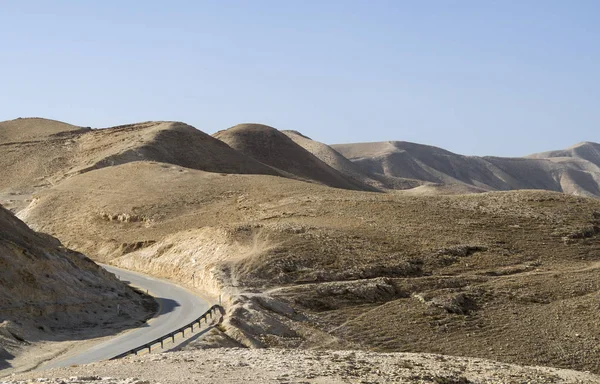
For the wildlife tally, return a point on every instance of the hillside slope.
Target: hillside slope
(34, 129)
(574, 171)
(586, 151)
(304, 265)
(338, 162)
(46, 288)
(272, 147)
(54, 151)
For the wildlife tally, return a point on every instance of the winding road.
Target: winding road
(178, 307)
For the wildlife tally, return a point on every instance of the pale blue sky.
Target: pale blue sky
(480, 77)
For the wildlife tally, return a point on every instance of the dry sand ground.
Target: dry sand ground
(294, 366)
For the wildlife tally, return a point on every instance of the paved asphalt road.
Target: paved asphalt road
(178, 307)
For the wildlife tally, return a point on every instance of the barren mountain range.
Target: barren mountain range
(574, 171)
(372, 246)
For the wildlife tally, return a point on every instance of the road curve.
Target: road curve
(178, 307)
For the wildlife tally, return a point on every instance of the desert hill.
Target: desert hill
(46, 288)
(304, 265)
(54, 151)
(587, 151)
(34, 129)
(338, 162)
(574, 171)
(272, 147)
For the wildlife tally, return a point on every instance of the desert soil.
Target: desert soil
(508, 276)
(296, 366)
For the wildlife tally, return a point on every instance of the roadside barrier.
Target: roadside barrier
(161, 340)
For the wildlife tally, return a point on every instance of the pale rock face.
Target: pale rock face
(45, 287)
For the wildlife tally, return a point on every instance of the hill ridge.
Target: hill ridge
(575, 171)
(274, 148)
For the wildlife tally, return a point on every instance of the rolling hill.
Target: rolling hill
(33, 129)
(338, 162)
(54, 151)
(272, 147)
(574, 171)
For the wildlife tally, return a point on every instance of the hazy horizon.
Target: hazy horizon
(475, 78)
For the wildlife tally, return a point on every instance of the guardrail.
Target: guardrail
(172, 335)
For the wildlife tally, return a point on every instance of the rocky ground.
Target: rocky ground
(506, 276)
(306, 266)
(295, 366)
(51, 297)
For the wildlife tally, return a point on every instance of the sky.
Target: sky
(483, 77)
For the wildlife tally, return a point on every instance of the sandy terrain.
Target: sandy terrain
(293, 366)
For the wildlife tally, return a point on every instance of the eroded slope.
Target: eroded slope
(511, 276)
(54, 151)
(338, 162)
(46, 289)
(574, 171)
(272, 147)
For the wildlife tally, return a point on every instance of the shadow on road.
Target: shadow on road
(166, 305)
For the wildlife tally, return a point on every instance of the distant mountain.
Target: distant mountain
(586, 151)
(575, 170)
(337, 161)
